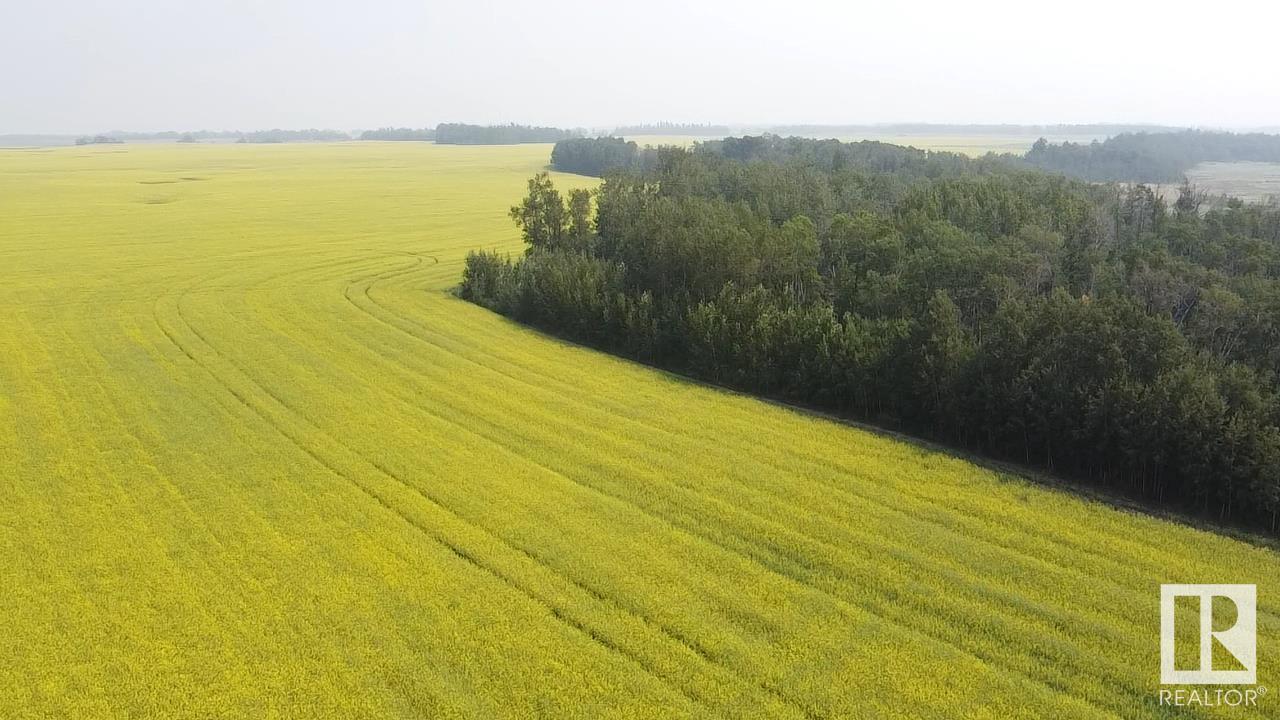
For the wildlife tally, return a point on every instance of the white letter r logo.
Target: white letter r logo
(1241, 639)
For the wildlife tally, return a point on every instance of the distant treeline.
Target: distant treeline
(190, 136)
(285, 136)
(463, 134)
(97, 140)
(1093, 330)
(670, 128)
(1151, 157)
(393, 133)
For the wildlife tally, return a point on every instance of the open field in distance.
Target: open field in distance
(259, 461)
(1251, 181)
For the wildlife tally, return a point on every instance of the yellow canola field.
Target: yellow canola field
(257, 461)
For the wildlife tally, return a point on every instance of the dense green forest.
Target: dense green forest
(1151, 157)
(594, 156)
(463, 134)
(1093, 330)
(395, 133)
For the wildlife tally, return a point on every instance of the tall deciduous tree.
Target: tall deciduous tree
(541, 216)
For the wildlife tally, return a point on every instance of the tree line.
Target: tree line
(463, 134)
(395, 133)
(98, 140)
(1092, 330)
(276, 135)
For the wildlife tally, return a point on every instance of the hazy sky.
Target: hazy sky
(83, 66)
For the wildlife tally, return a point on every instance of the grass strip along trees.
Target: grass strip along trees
(1091, 330)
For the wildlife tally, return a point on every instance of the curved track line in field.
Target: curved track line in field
(534, 557)
(110, 399)
(439, 538)
(695, 530)
(561, 614)
(672, 635)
